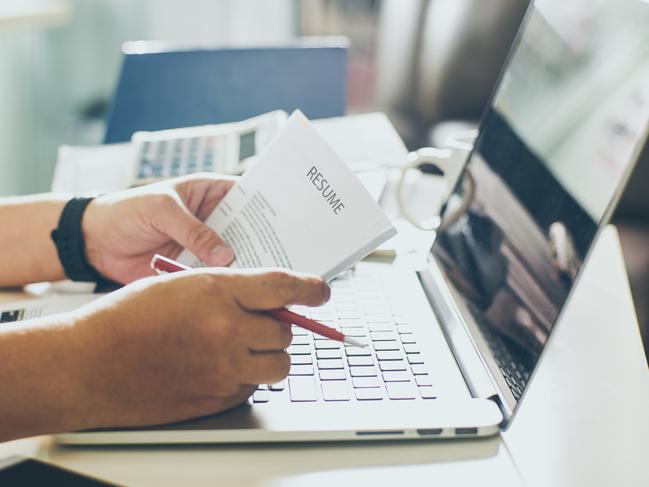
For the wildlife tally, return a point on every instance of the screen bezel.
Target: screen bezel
(509, 405)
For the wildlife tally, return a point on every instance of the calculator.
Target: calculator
(223, 148)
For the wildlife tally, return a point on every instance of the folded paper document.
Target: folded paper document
(28, 309)
(299, 207)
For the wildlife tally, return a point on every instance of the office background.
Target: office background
(430, 64)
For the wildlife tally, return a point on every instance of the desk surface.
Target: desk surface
(583, 422)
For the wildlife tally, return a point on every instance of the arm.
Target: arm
(27, 251)
(162, 349)
(121, 230)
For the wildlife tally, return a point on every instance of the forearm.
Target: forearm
(41, 384)
(27, 253)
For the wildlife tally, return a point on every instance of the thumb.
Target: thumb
(197, 237)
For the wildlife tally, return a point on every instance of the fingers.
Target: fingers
(190, 232)
(202, 192)
(263, 290)
(264, 333)
(265, 367)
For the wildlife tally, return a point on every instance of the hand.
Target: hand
(184, 345)
(123, 230)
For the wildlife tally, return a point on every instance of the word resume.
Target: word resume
(300, 207)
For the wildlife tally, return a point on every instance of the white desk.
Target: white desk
(585, 421)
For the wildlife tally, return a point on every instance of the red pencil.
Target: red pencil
(160, 264)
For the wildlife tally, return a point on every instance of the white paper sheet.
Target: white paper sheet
(27, 309)
(299, 207)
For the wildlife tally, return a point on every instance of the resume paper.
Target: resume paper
(299, 207)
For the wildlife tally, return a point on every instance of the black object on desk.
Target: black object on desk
(18, 471)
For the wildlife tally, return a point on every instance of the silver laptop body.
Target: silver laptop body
(454, 341)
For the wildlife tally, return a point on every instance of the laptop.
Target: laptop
(454, 340)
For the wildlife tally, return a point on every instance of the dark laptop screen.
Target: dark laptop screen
(561, 133)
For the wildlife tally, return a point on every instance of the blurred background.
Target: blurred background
(429, 64)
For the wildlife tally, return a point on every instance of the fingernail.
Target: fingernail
(221, 255)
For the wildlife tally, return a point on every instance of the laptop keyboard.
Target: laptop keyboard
(513, 367)
(391, 367)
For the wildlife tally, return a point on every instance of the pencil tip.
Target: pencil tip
(355, 343)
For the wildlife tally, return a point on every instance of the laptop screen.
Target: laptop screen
(557, 141)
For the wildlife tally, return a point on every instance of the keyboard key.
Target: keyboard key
(280, 386)
(349, 314)
(374, 327)
(326, 344)
(389, 355)
(333, 374)
(363, 371)
(323, 316)
(385, 346)
(418, 369)
(401, 390)
(299, 349)
(404, 330)
(301, 370)
(330, 364)
(369, 394)
(427, 392)
(262, 387)
(357, 352)
(423, 380)
(336, 391)
(410, 348)
(322, 354)
(408, 339)
(380, 336)
(352, 323)
(261, 396)
(362, 382)
(302, 389)
(396, 376)
(301, 360)
(393, 365)
(300, 340)
(363, 360)
(415, 359)
(359, 331)
(378, 318)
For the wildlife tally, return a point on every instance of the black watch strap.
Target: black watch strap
(69, 242)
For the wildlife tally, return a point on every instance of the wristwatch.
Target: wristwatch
(70, 245)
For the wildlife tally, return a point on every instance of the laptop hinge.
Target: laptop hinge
(476, 374)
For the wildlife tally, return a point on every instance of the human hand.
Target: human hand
(123, 230)
(184, 345)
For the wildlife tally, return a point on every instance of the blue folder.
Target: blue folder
(163, 89)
